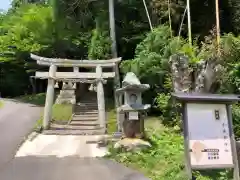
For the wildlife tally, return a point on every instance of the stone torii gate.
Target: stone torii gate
(98, 77)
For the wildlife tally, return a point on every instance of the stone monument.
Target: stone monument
(67, 94)
(132, 124)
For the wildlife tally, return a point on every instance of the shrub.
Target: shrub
(236, 120)
(171, 110)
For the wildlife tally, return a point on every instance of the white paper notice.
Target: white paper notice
(133, 115)
(209, 135)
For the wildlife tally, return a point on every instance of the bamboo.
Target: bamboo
(180, 28)
(169, 17)
(149, 20)
(217, 26)
(189, 23)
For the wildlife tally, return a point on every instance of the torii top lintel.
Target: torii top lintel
(75, 63)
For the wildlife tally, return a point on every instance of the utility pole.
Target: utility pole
(117, 83)
(189, 23)
(112, 28)
(217, 26)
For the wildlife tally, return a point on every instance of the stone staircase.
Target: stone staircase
(85, 117)
(84, 120)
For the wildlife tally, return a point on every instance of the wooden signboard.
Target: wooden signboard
(209, 138)
(209, 141)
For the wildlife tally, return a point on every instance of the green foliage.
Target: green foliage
(30, 28)
(230, 46)
(151, 62)
(171, 111)
(99, 47)
(22, 31)
(152, 54)
(235, 14)
(165, 160)
(25, 33)
(152, 67)
(236, 120)
(37, 99)
(150, 57)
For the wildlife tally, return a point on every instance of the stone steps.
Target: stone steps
(80, 106)
(83, 127)
(85, 109)
(84, 118)
(87, 112)
(73, 132)
(86, 105)
(75, 127)
(84, 123)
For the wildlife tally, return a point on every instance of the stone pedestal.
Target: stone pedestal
(133, 128)
(66, 95)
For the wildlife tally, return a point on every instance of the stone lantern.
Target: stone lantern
(132, 121)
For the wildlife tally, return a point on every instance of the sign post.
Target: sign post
(208, 132)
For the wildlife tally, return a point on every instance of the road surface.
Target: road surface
(67, 168)
(16, 122)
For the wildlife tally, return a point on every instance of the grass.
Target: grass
(165, 160)
(61, 113)
(37, 99)
(1, 104)
(111, 121)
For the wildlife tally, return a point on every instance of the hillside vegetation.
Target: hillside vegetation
(79, 29)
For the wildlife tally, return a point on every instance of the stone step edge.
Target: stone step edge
(78, 125)
(82, 114)
(74, 127)
(85, 117)
(73, 132)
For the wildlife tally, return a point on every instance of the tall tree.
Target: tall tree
(18, 3)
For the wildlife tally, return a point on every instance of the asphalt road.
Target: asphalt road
(67, 168)
(16, 122)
